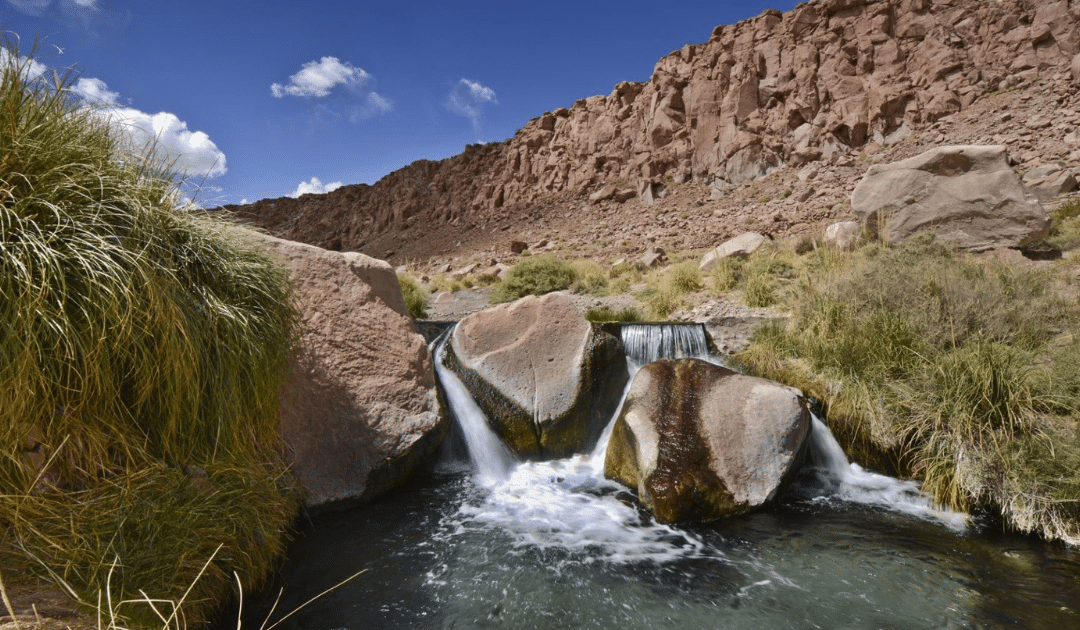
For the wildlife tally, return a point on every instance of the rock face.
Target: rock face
(781, 88)
(698, 441)
(546, 378)
(360, 410)
(966, 195)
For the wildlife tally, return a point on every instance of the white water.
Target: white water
(847, 481)
(491, 459)
(569, 504)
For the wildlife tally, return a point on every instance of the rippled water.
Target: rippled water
(447, 553)
(487, 542)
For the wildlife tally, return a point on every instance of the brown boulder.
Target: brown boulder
(545, 377)
(698, 441)
(967, 196)
(359, 411)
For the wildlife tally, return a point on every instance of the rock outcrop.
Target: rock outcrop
(782, 88)
(967, 196)
(699, 441)
(359, 412)
(546, 378)
(741, 246)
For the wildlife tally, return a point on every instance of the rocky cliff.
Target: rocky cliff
(816, 83)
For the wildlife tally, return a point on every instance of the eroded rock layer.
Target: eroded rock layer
(780, 88)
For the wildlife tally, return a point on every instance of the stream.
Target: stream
(485, 541)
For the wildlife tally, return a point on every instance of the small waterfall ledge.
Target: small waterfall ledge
(569, 503)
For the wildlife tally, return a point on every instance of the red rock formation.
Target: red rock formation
(793, 87)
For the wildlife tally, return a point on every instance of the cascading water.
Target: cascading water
(556, 545)
(838, 478)
(644, 343)
(490, 457)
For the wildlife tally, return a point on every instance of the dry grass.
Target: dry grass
(141, 356)
(950, 369)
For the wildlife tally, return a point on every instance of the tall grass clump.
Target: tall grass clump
(416, 298)
(535, 275)
(141, 355)
(957, 371)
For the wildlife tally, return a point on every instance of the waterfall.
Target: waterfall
(491, 458)
(836, 477)
(569, 504)
(645, 343)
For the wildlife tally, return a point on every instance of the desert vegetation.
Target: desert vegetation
(142, 347)
(956, 370)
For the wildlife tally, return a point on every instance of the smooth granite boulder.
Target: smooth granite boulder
(546, 378)
(698, 441)
(968, 196)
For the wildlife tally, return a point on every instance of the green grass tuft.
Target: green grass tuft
(535, 275)
(609, 314)
(958, 371)
(416, 299)
(137, 341)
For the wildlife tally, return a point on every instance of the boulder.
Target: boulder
(607, 192)
(546, 378)
(843, 235)
(742, 246)
(699, 441)
(1075, 67)
(967, 196)
(1048, 181)
(653, 257)
(359, 410)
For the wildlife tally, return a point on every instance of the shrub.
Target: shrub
(684, 277)
(609, 314)
(416, 298)
(662, 302)
(535, 275)
(951, 369)
(759, 290)
(726, 275)
(590, 278)
(141, 356)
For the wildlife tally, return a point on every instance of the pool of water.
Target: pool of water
(484, 541)
(448, 552)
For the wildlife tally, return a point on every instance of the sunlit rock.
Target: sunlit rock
(967, 196)
(545, 377)
(698, 441)
(359, 410)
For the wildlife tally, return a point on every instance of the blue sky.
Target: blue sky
(255, 99)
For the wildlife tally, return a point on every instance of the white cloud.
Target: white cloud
(317, 78)
(314, 186)
(192, 153)
(94, 92)
(379, 103)
(33, 69)
(36, 8)
(468, 98)
(372, 106)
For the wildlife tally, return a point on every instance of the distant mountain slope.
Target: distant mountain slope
(783, 88)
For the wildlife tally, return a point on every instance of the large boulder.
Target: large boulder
(699, 441)
(967, 196)
(546, 378)
(741, 246)
(359, 411)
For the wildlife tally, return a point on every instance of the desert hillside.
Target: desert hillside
(767, 125)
